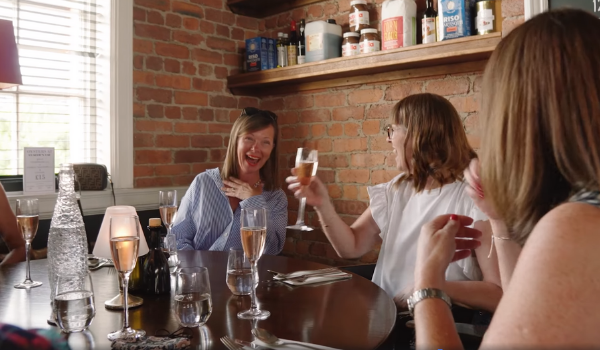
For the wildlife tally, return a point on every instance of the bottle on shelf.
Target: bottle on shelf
(281, 51)
(292, 47)
(301, 43)
(429, 23)
(155, 271)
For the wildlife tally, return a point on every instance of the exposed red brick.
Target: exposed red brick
(448, 86)
(346, 113)
(149, 94)
(207, 141)
(191, 128)
(155, 17)
(207, 56)
(172, 141)
(191, 156)
(371, 127)
(172, 169)
(139, 14)
(330, 9)
(141, 140)
(192, 24)
(154, 63)
(351, 129)
(151, 125)
(173, 21)
(246, 22)
(400, 91)
(152, 31)
(349, 145)
(139, 110)
(142, 46)
(367, 160)
(216, 16)
(173, 81)
(187, 38)
(173, 112)
(187, 9)
(315, 115)
(191, 98)
(208, 85)
(155, 111)
(152, 157)
(299, 101)
(222, 30)
(382, 176)
(218, 4)
(141, 77)
(365, 96)
(223, 101)
(189, 68)
(172, 66)
(512, 8)
(142, 170)
(163, 5)
(466, 104)
(138, 62)
(349, 207)
(219, 128)
(220, 44)
(380, 111)
(330, 99)
(172, 50)
(206, 114)
(237, 34)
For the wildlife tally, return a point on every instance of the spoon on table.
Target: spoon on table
(270, 339)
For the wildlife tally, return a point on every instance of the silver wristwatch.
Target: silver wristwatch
(425, 293)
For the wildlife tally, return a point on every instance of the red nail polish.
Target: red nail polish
(453, 217)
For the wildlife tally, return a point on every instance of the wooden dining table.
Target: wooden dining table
(348, 314)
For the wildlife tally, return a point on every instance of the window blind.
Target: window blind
(63, 52)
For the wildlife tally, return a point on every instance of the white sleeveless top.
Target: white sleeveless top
(400, 214)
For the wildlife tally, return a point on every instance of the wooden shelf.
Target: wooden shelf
(447, 57)
(265, 8)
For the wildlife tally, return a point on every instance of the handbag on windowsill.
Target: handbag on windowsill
(92, 177)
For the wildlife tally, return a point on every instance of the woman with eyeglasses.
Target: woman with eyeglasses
(209, 214)
(540, 180)
(431, 151)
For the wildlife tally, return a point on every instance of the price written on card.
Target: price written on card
(38, 174)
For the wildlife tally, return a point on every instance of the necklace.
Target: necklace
(257, 183)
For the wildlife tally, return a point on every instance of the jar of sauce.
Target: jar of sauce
(351, 44)
(359, 15)
(369, 41)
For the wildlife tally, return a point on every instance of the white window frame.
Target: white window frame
(534, 7)
(121, 129)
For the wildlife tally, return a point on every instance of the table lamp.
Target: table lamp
(102, 250)
(10, 71)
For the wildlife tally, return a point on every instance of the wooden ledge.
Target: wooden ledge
(265, 8)
(447, 57)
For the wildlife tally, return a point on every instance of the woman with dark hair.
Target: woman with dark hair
(209, 214)
(432, 152)
(540, 177)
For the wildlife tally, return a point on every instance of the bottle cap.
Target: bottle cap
(351, 34)
(332, 21)
(368, 30)
(356, 2)
(155, 222)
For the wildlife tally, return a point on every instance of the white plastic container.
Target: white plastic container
(323, 40)
(398, 24)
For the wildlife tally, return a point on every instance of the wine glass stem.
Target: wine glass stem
(125, 277)
(253, 289)
(27, 248)
(300, 220)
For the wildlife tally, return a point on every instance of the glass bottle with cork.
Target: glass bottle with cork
(292, 47)
(429, 23)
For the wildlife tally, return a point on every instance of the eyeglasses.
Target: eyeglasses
(389, 130)
(251, 111)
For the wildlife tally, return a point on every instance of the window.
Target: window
(64, 101)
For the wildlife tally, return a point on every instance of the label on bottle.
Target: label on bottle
(358, 17)
(281, 56)
(314, 42)
(292, 55)
(428, 27)
(485, 21)
(391, 33)
(370, 46)
(350, 49)
(301, 59)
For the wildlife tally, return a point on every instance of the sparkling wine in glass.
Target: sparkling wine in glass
(167, 205)
(254, 235)
(124, 244)
(28, 217)
(307, 161)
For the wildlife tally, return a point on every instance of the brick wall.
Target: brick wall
(183, 52)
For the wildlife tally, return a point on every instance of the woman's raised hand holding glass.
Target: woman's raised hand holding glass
(307, 161)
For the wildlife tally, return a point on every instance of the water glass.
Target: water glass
(170, 245)
(193, 302)
(239, 273)
(73, 304)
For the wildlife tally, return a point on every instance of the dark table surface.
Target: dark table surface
(350, 314)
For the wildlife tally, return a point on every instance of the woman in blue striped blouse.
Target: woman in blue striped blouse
(209, 214)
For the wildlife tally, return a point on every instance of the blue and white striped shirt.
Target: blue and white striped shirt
(205, 220)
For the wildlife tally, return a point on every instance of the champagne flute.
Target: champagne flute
(28, 217)
(307, 161)
(124, 243)
(167, 204)
(254, 235)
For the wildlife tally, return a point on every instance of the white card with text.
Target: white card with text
(38, 174)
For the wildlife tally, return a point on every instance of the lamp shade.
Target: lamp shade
(10, 71)
(102, 246)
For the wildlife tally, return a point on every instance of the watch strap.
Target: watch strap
(427, 293)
